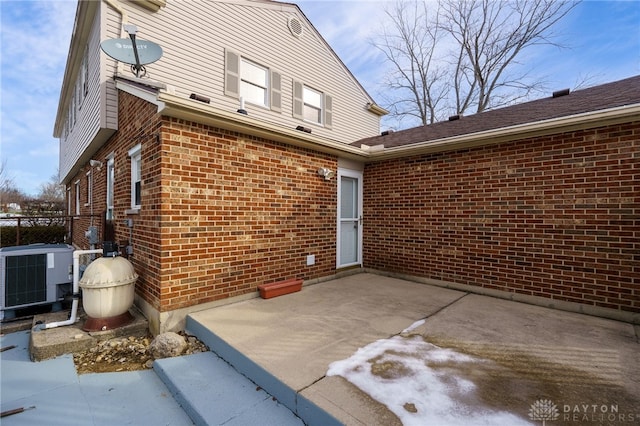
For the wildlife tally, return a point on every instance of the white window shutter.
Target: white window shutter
(232, 74)
(328, 111)
(276, 91)
(298, 101)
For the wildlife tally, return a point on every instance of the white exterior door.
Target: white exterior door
(349, 247)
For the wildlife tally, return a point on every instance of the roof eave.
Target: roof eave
(594, 119)
(192, 110)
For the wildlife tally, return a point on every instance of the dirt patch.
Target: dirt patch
(388, 369)
(515, 378)
(125, 354)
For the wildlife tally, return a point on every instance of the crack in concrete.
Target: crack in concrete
(445, 307)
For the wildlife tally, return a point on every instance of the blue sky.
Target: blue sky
(603, 39)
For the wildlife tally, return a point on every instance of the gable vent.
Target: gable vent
(295, 26)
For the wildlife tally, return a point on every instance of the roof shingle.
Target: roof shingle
(597, 98)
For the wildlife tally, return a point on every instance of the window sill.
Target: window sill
(132, 211)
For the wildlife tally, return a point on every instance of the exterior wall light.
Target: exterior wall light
(327, 174)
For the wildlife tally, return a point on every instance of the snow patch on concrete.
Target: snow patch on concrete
(411, 377)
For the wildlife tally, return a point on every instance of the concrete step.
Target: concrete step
(306, 410)
(212, 392)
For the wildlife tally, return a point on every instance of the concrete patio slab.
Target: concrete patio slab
(295, 337)
(298, 335)
(572, 359)
(521, 353)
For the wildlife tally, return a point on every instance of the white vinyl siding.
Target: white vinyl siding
(94, 122)
(196, 59)
(207, 61)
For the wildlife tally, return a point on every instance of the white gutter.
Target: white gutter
(115, 4)
(594, 119)
(76, 291)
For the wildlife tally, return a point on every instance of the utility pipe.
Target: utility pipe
(115, 4)
(76, 291)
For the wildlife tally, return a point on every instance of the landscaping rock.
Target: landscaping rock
(167, 345)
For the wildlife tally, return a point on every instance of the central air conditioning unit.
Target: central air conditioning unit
(32, 275)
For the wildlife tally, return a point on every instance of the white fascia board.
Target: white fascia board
(143, 89)
(586, 120)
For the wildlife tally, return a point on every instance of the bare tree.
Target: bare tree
(410, 45)
(52, 191)
(491, 34)
(6, 182)
(477, 68)
(9, 193)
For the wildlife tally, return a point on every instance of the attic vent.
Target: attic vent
(454, 117)
(558, 93)
(295, 26)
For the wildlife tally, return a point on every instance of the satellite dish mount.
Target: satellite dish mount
(137, 67)
(136, 53)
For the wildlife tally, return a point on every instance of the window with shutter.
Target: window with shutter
(312, 105)
(297, 100)
(254, 80)
(328, 111)
(232, 74)
(276, 91)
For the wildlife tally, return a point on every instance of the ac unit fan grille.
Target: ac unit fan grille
(25, 279)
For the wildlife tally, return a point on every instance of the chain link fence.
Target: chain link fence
(17, 230)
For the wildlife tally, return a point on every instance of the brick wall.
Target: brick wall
(557, 217)
(138, 124)
(237, 212)
(220, 212)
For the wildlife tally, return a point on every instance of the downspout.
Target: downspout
(115, 4)
(76, 292)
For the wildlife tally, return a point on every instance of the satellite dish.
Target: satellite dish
(121, 49)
